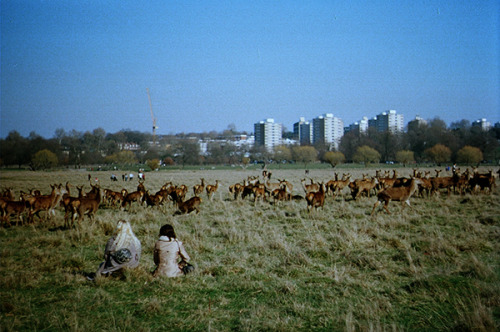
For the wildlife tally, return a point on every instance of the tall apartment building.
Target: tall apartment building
(302, 131)
(361, 125)
(388, 121)
(268, 134)
(328, 129)
(482, 123)
(416, 123)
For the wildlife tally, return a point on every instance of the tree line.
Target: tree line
(432, 142)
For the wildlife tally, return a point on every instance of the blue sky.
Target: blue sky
(208, 64)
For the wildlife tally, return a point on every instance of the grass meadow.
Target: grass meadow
(259, 266)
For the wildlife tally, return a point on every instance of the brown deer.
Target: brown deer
(401, 194)
(16, 208)
(316, 199)
(387, 182)
(308, 188)
(46, 203)
(236, 189)
(211, 189)
(153, 200)
(188, 206)
(128, 198)
(8, 194)
(87, 206)
(425, 185)
(482, 182)
(445, 182)
(113, 197)
(198, 189)
(270, 186)
(362, 186)
(140, 186)
(336, 186)
(281, 194)
(259, 193)
(67, 202)
(248, 188)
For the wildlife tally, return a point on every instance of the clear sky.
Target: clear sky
(208, 64)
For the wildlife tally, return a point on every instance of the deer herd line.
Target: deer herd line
(385, 186)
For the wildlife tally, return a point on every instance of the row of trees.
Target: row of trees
(432, 142)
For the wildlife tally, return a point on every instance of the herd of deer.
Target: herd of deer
(386, 187)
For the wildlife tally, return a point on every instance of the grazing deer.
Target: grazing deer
(211, 189)
(401, 194)
(188, 206)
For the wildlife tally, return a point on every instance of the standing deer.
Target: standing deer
(316, 199)
(211, 189)
(401, 194)
(87, 205)
(46, 203)
(198, 189)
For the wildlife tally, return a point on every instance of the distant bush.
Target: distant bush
(404, 157)
(439, 154)
(469, 155)
(44, 159)
(365, 154)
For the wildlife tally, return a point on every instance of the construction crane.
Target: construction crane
(152, 118)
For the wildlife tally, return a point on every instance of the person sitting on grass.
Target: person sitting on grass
(167, 253)
(123, 250)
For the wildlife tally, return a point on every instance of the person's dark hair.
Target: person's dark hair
(168, 230)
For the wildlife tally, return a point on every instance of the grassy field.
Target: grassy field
(259, 266)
